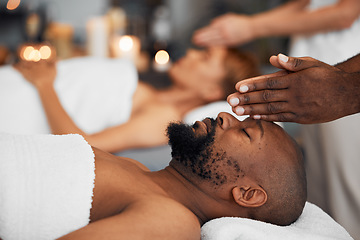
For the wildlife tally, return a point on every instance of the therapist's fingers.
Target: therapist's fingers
(266, 102)
(208, 36)
(269, 112)
(294, 64)
(280, 117)
(261, 109)
(204, 34)
(269, 81)
(274, 60)
(263, 96)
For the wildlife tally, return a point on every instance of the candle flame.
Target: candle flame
(162, 57)
(45, 52)
(12, 4)
(126, 43)
(35, 55)
(27, 53)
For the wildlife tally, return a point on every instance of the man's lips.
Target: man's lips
(208, 125)
(199, 125)
(204, 126)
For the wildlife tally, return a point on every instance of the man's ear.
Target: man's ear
(249, 196)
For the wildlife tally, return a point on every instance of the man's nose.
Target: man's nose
(226, 120)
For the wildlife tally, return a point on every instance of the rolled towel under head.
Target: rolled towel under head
(313, 224)
(46, 185)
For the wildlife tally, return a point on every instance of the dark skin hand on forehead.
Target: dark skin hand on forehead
(307, 91)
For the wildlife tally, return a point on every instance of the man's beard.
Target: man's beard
(190, 150)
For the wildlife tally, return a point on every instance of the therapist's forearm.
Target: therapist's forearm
(294, 18)
(352, 69)
(58, 119)
(352, 65)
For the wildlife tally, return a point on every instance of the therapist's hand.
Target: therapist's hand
(38, 73)
(306, 91)
(227, 30)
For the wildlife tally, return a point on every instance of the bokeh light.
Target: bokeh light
(12, 4)
(162, 57)
(45, 52)
(29, 53)
(126, 43)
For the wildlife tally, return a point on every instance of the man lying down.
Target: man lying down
(223, 167)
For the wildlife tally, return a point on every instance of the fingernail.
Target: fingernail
(243, 88)
(283, 58)
(257, 117)
(234, 101)
(239, 111)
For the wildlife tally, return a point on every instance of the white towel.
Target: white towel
(313, 224)
(46, 185)
(96, 93)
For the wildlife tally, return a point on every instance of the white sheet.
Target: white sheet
(95, 92)
(313, 224)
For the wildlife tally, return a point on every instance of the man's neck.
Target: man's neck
(181, 189)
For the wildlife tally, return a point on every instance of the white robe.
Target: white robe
(333, 149)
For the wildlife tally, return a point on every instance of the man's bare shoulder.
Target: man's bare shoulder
(101, 156)
(168, 218)
(176, 217)
(152, 217)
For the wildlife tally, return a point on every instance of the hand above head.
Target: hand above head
(37, 73)
(227, 30)
(306, 91)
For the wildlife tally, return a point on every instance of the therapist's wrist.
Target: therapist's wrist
(352, 65)
(353, 80)
(346, 101)
(259, 26)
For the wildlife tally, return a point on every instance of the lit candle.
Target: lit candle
(97, 37)
(117, 20)
(25, 52)
(32, 25)
(45, 52)
(162, 61)
(36, 53)
(12, 4)
(60, 35)
(126, 47)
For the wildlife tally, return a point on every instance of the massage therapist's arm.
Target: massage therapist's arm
(139, 131)
(309, 91)
(352, 65)
(290, 18)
